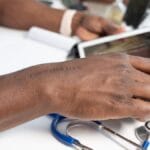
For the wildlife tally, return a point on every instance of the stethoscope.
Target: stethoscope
(142, 133)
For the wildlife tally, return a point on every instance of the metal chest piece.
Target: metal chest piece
(142, 133)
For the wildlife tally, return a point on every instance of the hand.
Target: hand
(103, 87)
(84, 26)
(91, 27)
(96, 88)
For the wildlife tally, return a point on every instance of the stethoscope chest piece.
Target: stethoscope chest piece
(141, 134)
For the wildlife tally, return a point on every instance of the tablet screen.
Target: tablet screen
(138, 45)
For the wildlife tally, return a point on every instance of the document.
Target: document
(17, 51)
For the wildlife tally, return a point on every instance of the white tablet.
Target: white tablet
(128, 42)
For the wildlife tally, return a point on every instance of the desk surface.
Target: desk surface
(17, 52)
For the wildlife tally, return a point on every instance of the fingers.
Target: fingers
(142, 64)
(141, 77)
(141, 90)
(135, 108)
(85, 35)
(101, 26)
(141, 109)
(111, 28)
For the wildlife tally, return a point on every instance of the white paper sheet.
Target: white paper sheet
(51, 38)
(17, 52)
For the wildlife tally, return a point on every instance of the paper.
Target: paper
(51, 38)
(18, 52)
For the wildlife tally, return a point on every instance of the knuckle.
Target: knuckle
(119, 98)
(124, 69)
(123, 81)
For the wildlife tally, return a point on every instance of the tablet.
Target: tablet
(135, 42)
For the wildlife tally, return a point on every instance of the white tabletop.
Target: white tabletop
(17, 52)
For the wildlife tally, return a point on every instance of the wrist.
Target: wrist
(18, 85)
(21, 99)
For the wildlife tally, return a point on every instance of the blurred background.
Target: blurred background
(135, 13)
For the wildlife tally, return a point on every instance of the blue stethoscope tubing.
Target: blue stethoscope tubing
(65, 139)
(146, 145)
(70, 141)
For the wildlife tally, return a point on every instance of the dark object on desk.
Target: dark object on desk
(78, 6)
(47, 2)
(136, 12)
(74, 53)
(74, 4)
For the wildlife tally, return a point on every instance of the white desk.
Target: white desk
(17, 52)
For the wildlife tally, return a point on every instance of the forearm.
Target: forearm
(22, 14)
(21, 98)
